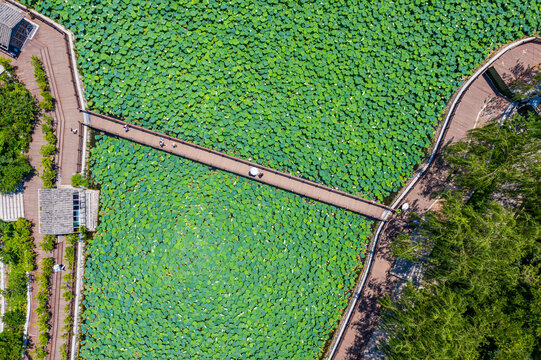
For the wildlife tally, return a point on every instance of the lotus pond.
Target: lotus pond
(190, 262)
(346, 93)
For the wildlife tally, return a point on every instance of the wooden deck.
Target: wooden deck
(237, 166)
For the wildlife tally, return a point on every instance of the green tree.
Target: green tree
(77, 180)
(14, 319)
(11, 345)
(17, 114)
(483, 289)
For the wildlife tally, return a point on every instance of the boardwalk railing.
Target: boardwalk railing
(240, 166)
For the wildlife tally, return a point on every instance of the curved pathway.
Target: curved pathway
(237, 166)
(362, 316)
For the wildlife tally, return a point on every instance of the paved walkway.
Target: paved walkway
(365, 314)
(237, 166)
(50, 46)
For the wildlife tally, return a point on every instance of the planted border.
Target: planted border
(17, 254)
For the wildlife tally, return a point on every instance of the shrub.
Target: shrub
(39, 74)
(47, 150)
(49, 178)
(68, 295)
(17, 113)
(42, 353)
(77, 180)
(68, 280)
(47, 102)
(43, 339)
(46, 163)
(64, 352)
(73, 238)
(48, 119)
(50, 138)
(46, 128)
(70, 257)
(48, 243)
(14, 319)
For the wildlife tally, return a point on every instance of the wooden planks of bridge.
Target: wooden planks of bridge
(236, 165)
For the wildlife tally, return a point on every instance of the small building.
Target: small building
(15, 30)
(64, 210)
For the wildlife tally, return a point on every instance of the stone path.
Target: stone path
(365, 313)
(237, 166)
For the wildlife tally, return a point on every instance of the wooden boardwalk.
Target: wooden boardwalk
(237, 166)
(379, 282)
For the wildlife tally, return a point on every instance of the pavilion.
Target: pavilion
(65, 210)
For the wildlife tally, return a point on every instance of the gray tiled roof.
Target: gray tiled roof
(56, 210)
(10, 17)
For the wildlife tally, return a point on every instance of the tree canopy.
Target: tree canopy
(17, 114)
(482, 293)
(16, 251)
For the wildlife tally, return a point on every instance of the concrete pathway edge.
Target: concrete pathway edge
(366, 269)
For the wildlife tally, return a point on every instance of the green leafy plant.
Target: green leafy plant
(77, 180)
(17, 113)
(269, 245)
(346, 94)
(47, 103)
(48, 243)
(44, 283)
(49, 178)
(350, 99)
(47, 150)
(70, 257)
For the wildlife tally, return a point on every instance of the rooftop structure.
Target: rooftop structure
(10, 19)
(65, 210)
(15, 30)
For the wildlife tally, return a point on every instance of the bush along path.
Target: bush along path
(17, 254)
(360, 322)
(47, 170)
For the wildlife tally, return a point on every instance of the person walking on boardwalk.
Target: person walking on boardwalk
(126, 128)
(162, 144)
